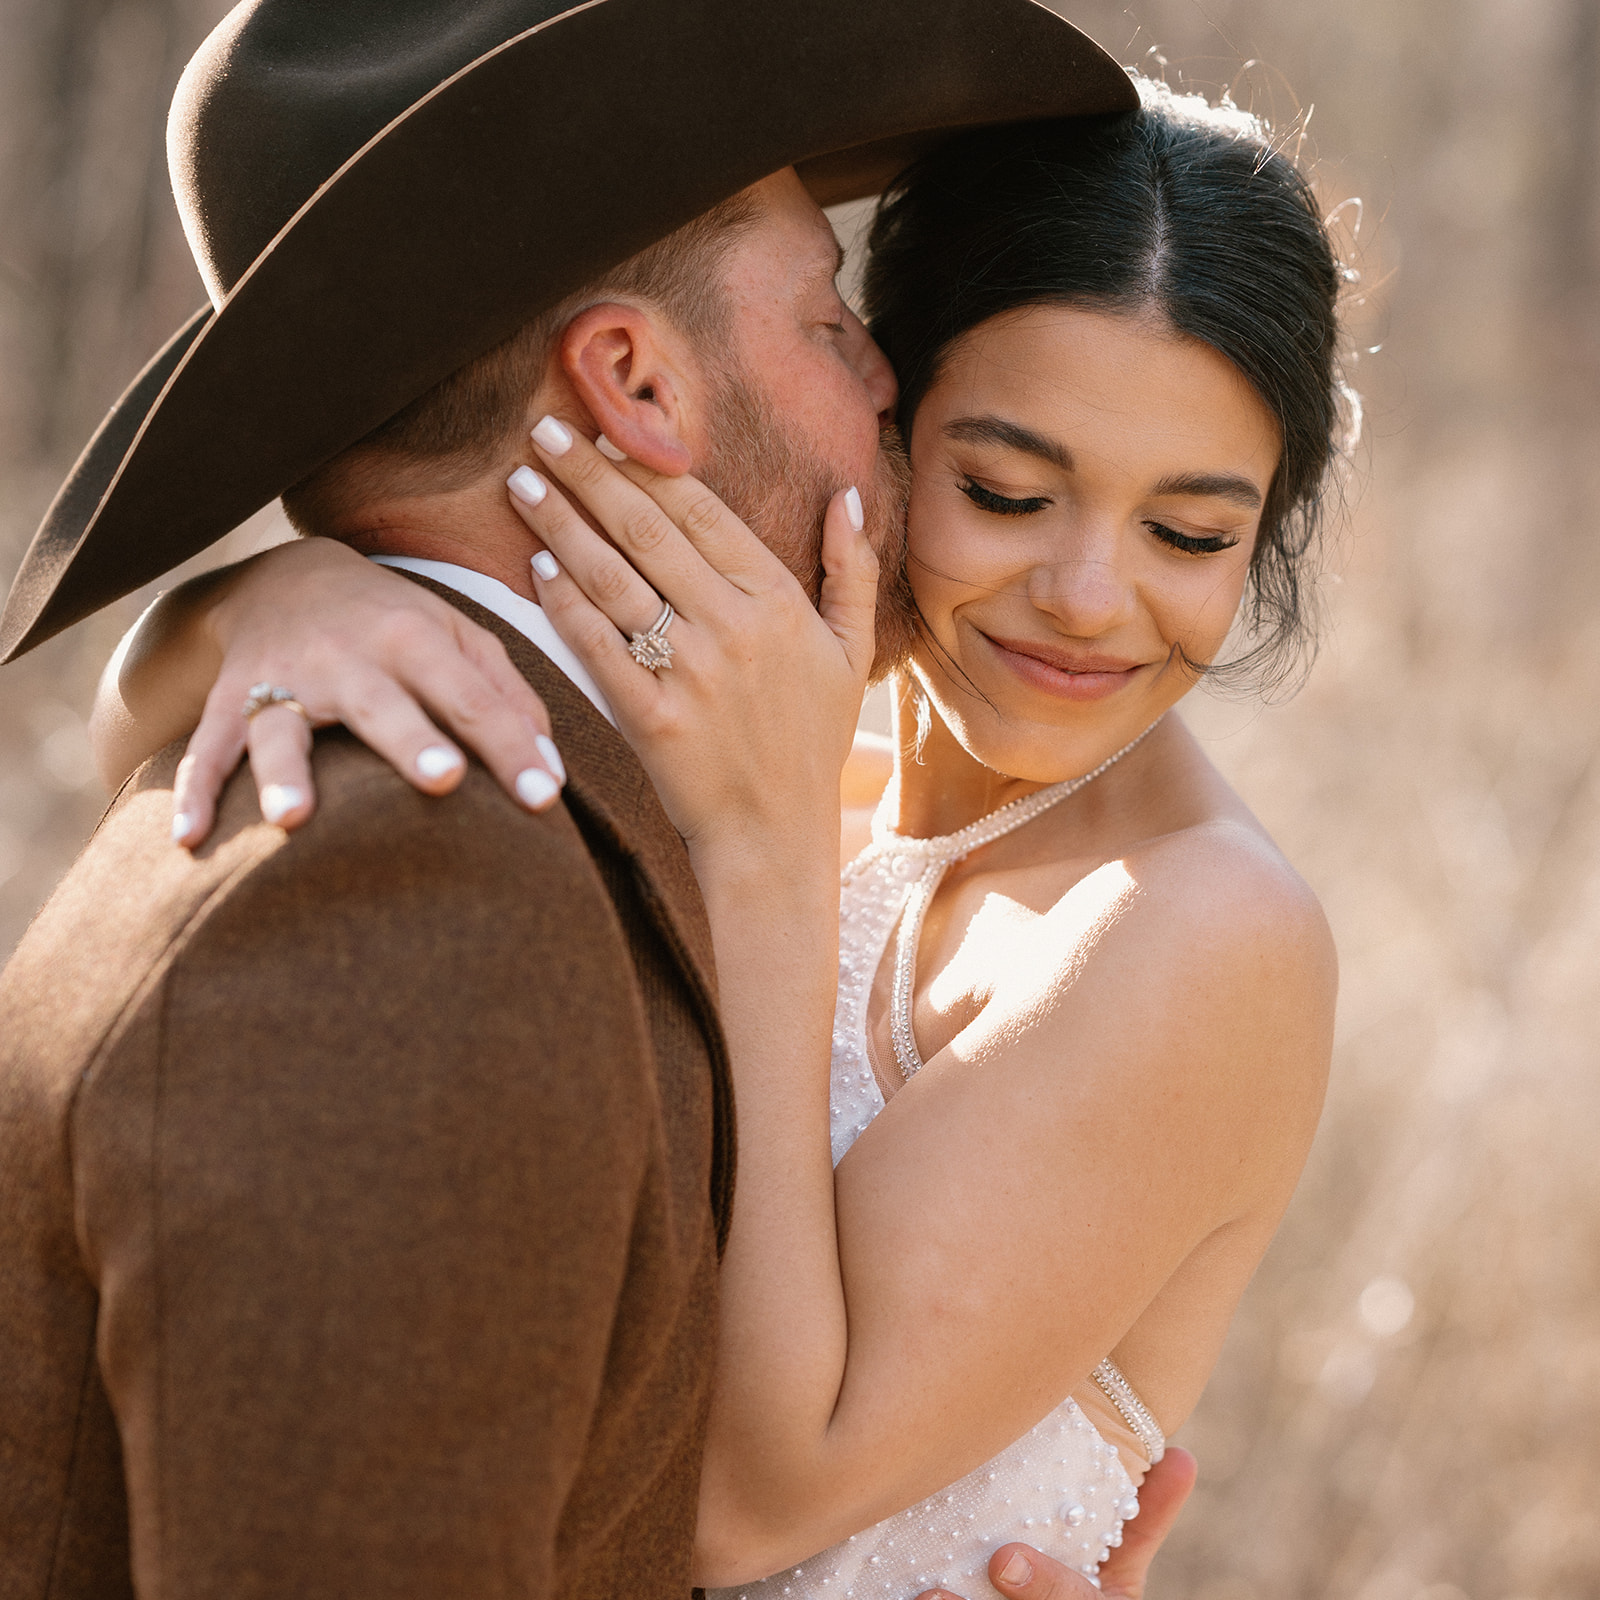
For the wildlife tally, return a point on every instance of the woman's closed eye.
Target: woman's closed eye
(1003, 505)
(1000, 505)
(1209, 545)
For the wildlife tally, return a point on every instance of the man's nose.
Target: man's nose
(877, 376)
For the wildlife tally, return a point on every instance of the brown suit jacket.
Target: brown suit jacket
(360, 1195)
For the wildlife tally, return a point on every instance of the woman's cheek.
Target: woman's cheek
(946, 565)
(1210, 614)
(927, 569)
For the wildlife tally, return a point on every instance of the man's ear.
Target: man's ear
(629, 373)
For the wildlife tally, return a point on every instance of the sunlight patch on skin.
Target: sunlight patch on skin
(1015, 963)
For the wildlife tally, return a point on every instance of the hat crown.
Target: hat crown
(284, 92)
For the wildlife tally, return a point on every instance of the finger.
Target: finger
(604, 574)
(670, 528)
(632, 690)
(486, 652)
(386, 716)
(279, 741)
(1020, 1570)
(493, 712)
(1161, 1499)
(718, 533)
(849, 602)
(215, 749)
(426, 670)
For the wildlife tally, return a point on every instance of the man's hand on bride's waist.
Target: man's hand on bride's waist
(1020, 1571)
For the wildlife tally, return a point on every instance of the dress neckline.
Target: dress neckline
(928, 860)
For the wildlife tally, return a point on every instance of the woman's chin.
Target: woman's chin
(1046, 742)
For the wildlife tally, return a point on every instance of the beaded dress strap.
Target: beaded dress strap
(1109, 1380)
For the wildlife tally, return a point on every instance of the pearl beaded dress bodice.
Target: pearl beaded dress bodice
(1061, 1488)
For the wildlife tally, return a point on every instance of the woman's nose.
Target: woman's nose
(1085, 594)
(873, 367)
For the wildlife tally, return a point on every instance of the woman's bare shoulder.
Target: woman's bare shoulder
(1225, 878)
(1223, 951)
(1202, 945)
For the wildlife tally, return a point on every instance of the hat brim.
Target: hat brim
(540, 167)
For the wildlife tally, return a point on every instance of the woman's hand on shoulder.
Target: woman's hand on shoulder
(351, 643)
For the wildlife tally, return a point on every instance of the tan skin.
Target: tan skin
(1050, 1155)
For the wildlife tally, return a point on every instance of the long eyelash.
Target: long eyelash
(998, 504)
(1190, 546)
(1002, 506)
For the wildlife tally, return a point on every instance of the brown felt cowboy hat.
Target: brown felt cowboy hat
(379, 191)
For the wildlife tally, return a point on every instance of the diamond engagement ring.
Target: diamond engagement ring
(651, 650)
(267, 694)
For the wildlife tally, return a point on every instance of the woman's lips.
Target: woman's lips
(1062, 674)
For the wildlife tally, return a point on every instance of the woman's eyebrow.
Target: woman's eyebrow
(1010, 436)
(1212, 486)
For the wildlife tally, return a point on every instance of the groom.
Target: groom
(361, 1190)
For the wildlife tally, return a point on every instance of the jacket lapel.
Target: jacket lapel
(606, 782)
(605, 777)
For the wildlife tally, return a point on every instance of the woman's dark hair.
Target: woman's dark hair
(1177, 209)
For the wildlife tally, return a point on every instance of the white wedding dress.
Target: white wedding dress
(1062, 1487)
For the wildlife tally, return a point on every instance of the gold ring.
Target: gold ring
(265, 695)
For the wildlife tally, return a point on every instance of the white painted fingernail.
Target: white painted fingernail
(536, 788)
(553, 436)
(551, 757)
(182, 827)
(438, 761)
(527, 486)
(279, 799)
(547, 566)
(854, 510)
(609, 450)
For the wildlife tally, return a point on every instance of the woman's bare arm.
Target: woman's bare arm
(154, 687)
(354, 643)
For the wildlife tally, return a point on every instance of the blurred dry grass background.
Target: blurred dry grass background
(1409, 1408)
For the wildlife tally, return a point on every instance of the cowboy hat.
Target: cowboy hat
(379, 191)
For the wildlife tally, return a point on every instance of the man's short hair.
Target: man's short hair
(461, 427)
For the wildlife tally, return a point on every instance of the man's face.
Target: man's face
(798, 409)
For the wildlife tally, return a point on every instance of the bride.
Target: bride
(1019, 1114)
